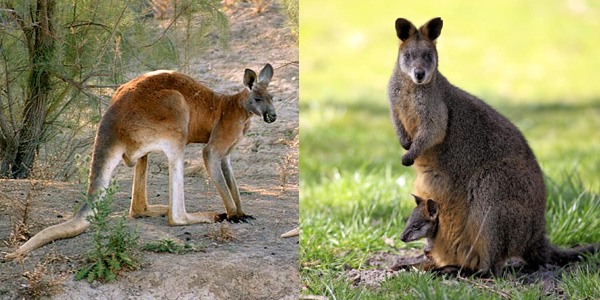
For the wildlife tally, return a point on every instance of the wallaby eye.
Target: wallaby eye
(429, 55)
(257, 99)
(415, 226)
(407, 56)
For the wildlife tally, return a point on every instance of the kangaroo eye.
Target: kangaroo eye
(406, 56)
(257, 99)
(415, 226)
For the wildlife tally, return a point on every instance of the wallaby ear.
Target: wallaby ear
(432, 209)
(249, 78)
(405, 29)
(266, 74)
(432, 29)
(418, 199)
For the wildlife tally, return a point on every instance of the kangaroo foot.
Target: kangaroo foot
(194, 218)
(150, 211)
(236, 218)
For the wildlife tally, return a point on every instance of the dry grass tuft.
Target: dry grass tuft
(288, 163)
(42, 281)
(19, 210)
(222, 233)
(259, 6)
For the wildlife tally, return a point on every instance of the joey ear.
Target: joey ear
(249, 78)
(266, 74)
(418, 199)
(404, 29)
(432, 29)
(432, 209)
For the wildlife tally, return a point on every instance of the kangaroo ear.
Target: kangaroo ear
(404, 29)
(266, 74)
(432, 209)
(249, 78)
(418, 199)
(432, 29)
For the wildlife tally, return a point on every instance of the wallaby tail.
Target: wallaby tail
(103, 163)
(562, 257)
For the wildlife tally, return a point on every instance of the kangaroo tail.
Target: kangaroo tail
(104, 161)
(291, 233)
(562, 257)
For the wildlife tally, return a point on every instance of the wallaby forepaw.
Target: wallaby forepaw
(406, 144)
(407, 161)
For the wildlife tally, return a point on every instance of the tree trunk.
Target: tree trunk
(38, 91)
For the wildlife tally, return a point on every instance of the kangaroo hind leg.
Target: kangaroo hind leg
(177, 214)
(139, 196)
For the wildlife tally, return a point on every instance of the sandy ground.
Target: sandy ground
(257, 264)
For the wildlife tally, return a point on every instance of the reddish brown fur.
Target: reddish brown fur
(170, 99)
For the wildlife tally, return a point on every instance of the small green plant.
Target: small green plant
(172, 246)
(114, 243)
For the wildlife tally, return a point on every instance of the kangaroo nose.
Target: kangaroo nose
(270, 117)
(419, 74)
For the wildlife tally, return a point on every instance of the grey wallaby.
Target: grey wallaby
(473, 161)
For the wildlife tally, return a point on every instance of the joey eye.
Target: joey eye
(406, 56)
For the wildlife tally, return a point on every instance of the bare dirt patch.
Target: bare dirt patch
(255, 263)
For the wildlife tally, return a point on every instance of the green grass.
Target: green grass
(535, 62)
(584, 284)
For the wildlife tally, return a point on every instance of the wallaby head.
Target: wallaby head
(259, 100)
(417, 56)
(423, 221)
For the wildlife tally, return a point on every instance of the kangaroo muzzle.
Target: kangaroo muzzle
(270, 117)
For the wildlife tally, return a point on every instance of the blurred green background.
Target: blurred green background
(537, 62)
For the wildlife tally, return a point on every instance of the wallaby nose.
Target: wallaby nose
(403, 237)
(419, 74)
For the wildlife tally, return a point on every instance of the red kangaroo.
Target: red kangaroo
(165, 111)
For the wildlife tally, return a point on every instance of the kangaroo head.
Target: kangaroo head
(423, 221)
(259, 100)
(417, 56)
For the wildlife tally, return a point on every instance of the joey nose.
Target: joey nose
(419, 74)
